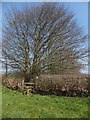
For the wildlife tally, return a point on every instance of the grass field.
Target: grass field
(16, 105)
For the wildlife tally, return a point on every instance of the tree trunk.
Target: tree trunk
(27, 78)
(6, 68)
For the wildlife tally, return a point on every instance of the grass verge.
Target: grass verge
(16, 105)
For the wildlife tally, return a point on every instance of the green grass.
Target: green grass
(0, 101)
(16, 105)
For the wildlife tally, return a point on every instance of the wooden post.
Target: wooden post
(6, 67)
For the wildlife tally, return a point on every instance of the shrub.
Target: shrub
(69, 85)
(12, 83)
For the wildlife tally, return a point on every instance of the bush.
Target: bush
(12, 83)
(68, 85)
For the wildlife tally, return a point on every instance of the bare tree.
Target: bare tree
(44, 39)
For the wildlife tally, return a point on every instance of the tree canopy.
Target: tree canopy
(43, 39)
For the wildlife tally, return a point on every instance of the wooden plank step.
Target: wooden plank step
(28, 87)
(29, 83)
